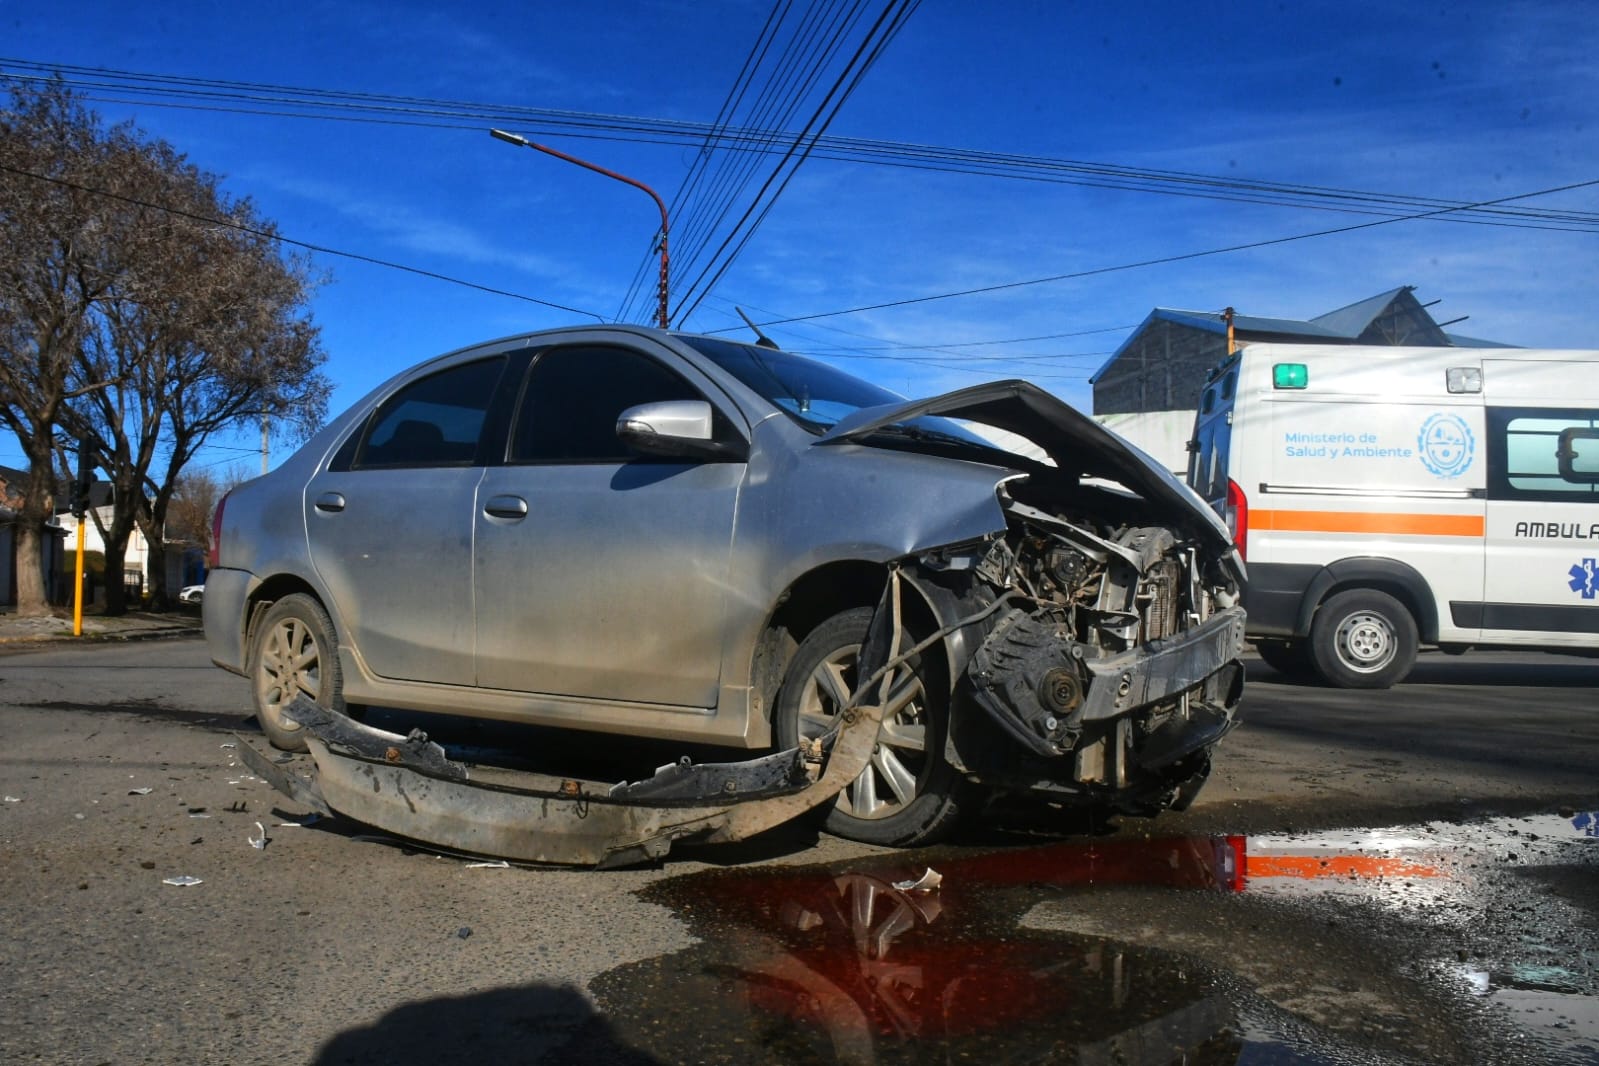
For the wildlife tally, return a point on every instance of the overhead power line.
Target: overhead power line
(275, 236)
(1161, 260)
(168, 90)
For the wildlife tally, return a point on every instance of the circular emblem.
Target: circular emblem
(1446, 445)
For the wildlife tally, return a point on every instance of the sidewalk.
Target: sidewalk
(135, 625)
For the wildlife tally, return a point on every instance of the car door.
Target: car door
(389, 525)
(603, 574)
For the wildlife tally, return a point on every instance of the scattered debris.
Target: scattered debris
(144, 791)
(238, 807)
(464, 932)
(182, 881)
(229, 744)
(147, 865)
(498, 864)
(928, 882)
(309, 820)
(259, 843)
(13, 799)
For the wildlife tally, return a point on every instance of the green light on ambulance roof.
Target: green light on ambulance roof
(1290, 376)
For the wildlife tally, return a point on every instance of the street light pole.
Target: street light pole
(512, 138)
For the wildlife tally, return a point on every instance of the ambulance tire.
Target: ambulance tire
(1363, 639)
(1290, 658)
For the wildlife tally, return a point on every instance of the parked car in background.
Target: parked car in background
(626, 530)
(194, 594)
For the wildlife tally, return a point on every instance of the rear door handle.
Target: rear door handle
(512, 507)
(332, 502)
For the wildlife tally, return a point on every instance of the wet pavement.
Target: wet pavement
(1448, 943)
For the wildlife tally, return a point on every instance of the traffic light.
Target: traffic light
(83, 482)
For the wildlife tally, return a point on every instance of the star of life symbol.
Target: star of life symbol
(1585, 578)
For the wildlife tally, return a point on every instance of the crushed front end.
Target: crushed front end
(1102, 666)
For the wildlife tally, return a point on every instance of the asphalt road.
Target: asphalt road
(1407, 876)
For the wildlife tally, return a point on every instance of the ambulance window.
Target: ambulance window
(1229, 385)
(1525, 454)
(1207, 403)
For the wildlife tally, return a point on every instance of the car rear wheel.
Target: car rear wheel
(293, 654)
(1363, 639)
(908, 794)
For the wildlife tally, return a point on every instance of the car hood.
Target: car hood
(1071, 439)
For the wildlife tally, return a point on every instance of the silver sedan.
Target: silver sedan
(625, 530)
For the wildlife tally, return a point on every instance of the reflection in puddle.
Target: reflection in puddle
(852, 964)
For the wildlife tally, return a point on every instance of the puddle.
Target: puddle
(1314, 948)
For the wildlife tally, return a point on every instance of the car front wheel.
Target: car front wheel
(907, 794)
(293, 654)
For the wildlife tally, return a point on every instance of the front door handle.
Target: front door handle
(332, 502)
(512, 507)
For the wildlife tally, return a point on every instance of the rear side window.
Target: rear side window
(1542, 454)
(435, 421)
(573, 397)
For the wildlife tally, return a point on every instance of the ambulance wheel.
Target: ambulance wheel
(1363, 639)
(1289, 657)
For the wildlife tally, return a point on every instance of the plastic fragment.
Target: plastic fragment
(259, 843)
(229, 744)
(182, 881)
(144, 791)
(13, 799)
(928, 882)
(464, 932)
(498, 864)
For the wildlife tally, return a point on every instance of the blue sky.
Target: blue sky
(1463, 102)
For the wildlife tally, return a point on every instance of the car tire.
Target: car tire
(292, 653)
(1363, 639)
(1290, 658)
(908, 795)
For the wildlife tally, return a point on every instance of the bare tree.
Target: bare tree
(61, 255)
(209, 331)
(149, 312)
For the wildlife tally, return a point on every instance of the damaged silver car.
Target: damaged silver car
(631, 531)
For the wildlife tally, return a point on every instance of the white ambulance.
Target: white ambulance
(1389, 498)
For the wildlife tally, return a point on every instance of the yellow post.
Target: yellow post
(77, 593)
(1228, 315)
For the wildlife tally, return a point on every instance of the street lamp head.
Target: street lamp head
(510, 138)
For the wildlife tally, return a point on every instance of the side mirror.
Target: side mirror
(676, 429)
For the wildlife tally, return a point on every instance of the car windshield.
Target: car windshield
(814, 394)
(818, 396)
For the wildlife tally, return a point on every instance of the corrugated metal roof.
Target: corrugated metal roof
(1213, 322)
(1352, 321)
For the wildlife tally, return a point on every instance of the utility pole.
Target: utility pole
(80, 511)
(512, 138)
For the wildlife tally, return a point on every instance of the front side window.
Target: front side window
(574, 396)
(1543, 454)
(435, 421)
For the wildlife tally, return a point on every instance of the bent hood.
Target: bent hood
(1075, 442)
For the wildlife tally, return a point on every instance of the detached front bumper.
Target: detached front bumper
(408, 786)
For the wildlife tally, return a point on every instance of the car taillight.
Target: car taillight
(213, 558)
(1237, 517)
